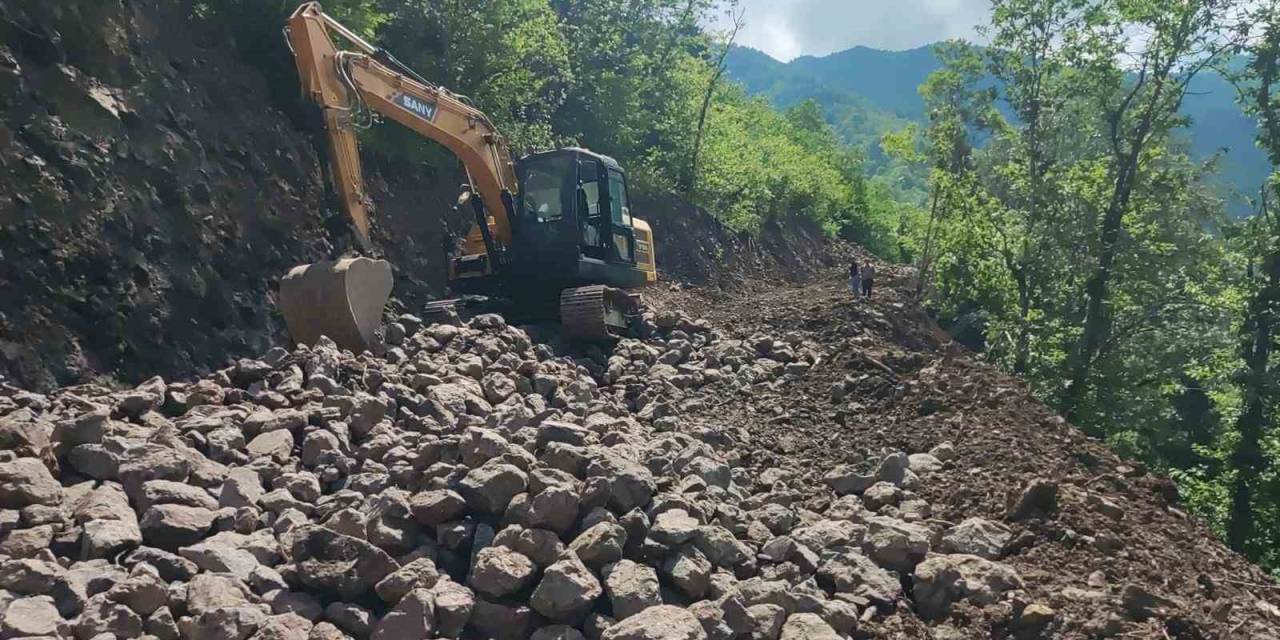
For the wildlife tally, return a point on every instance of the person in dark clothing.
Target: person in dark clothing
(868, 278)
(855, 278)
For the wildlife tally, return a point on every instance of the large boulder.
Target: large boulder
(26, 481)
(632, 588)
(413, 618)
(329, 560)
(663, 622)
(977, 536)
(170, 526)
(567, 590)
(942, 580)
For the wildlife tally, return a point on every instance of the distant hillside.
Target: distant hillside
(866, 92)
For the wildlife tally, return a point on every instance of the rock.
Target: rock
(27, 481)
(490, 488)
(844, 570)
(663, 622)
(630, 485)
(327, 559)
(419, 574)
(1035, 617)
(413, 618)
(286, 626)
(922, 463)
(977, 536)
(327, 631)
(229, 623)
(298, 603)
(554, 508)
(319, 446)
(31, 617)
(557, 632)
(764, 621)
(501, 621)
(566, 591)
(276, 445)
(673, 527)
(352, 618)
(143, 592)
(208, 591)
(454, 604)
(542, 546)
(168, 492)
(1038, 499)
(846, 480)
(500, 571)
(881, 494)
(721, 547)
(28, 576)
(632, 588)
(943, 452)
(162, 625)
(102, 615)
(689, 571)
(170, 566)
(25, 543)
(942, 580)
(242, 488)
(895, 544)
(169, 526)
(1141, 604)
(221, 559)
(600, 545)
(434, 507)
(107, 538)
(1105, 507)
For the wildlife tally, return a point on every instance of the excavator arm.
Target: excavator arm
(349, 84)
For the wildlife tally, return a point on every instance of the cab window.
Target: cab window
(542, 193)
(588, 177)
(621, 207)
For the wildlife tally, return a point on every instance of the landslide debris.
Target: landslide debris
(476, 480)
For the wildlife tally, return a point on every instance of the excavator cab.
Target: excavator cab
(573, 222)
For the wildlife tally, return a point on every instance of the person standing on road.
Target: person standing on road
(855, 278)
(868, 278)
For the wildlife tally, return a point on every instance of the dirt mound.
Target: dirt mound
(1100, 541)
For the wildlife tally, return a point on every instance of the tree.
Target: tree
(1259, 330)
(1182, 38)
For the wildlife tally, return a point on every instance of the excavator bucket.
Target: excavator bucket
(342, 299)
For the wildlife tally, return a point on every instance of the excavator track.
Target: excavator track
(596, 313)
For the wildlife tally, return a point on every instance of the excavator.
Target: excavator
(553, 231)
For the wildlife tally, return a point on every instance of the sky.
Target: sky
(785, 29)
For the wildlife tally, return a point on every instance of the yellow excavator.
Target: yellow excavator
(552, 230)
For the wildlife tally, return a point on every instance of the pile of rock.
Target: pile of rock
(466, 483)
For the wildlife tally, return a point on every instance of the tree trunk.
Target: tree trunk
(1248, 458)
(1022, 348)
(1096, 322)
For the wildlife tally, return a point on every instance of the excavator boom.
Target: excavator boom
(349, 85)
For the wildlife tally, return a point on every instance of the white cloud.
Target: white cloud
(787, 28)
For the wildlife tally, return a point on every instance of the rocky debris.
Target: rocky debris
(474, 484)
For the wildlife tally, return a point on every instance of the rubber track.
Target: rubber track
(582, 313)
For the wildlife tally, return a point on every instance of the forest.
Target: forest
(1065, 232)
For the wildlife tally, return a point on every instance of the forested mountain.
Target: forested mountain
(867, 92)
